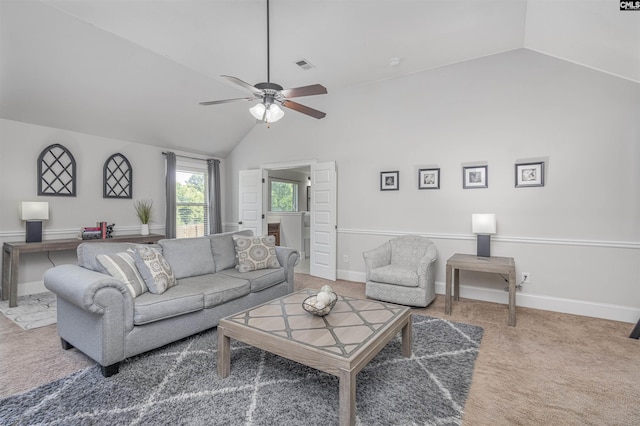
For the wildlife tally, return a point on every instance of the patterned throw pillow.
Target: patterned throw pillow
(255, 253)
(122, 266)
(154, 268)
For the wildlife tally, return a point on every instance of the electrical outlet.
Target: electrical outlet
(345, 258)
(526, 278)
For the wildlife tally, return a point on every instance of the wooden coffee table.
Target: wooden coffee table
(341, 343)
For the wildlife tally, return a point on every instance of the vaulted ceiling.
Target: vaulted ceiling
(136, 69)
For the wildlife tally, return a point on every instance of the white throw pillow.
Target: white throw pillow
(122, 266)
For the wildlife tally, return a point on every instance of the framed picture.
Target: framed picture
(389, 181)
(429, 179)
(530, 174)
(474, 177)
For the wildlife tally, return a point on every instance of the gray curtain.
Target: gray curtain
(170, 225)
(215, 216)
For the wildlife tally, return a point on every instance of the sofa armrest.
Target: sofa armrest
(288, 259)
(377, 257)
(82, 287)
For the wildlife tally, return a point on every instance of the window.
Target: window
(192, 206)
(284, 196)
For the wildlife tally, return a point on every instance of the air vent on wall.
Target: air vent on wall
(304, 64)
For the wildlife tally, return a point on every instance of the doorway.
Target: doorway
(319, 224)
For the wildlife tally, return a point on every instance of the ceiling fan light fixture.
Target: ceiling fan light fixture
(266, 110)
(268, 114)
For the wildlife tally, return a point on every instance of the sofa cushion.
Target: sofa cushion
(255, 253)
(216, 288)
(224, 251)
(149, 307)
(154, 269)
(122, 266)
(188, 256)
(259, 280)
(395, 274)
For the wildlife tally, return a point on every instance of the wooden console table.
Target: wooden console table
(498, 265)
(11, 257)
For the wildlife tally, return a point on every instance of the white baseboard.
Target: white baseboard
(32, 287)
(555, 304)
(345, 274)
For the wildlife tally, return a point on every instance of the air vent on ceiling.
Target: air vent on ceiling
(304, 64)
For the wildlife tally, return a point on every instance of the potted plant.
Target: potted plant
(143, 211)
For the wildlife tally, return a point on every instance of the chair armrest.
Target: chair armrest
(427, 266)
(377, 257)
(82, 287)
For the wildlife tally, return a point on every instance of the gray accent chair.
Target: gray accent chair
(402, 271)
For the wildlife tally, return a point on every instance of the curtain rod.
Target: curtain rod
(191, 158)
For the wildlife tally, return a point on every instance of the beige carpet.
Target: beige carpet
(552, 369)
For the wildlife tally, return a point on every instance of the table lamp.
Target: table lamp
(34, 213)
(483, 225)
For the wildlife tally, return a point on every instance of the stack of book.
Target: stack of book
(94, 232)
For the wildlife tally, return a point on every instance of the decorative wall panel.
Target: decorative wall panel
(56, 172)
(118, 177)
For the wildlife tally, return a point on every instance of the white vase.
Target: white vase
(144, 230)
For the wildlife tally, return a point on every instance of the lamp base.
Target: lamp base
(34, 231)
(484, 246)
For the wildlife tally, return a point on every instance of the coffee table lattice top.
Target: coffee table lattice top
(349, 326)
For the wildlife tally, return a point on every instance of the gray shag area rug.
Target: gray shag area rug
(178, 385)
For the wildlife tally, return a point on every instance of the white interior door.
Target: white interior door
(251, 201)
(323, 220)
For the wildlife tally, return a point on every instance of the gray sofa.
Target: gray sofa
(98, 315)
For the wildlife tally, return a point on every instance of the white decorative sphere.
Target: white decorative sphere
(324, 298)
(327, 289)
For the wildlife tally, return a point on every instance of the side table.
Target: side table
(468, 262)
(11, 257)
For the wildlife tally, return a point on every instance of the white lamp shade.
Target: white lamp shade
(483, 223)
(258, 111)
(34, 210)
(274, 113)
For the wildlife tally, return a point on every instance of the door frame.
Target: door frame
(293, 165)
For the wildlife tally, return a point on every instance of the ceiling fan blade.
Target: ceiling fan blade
(224, 101)
(314, 89)
(244, 84)
(303, 109)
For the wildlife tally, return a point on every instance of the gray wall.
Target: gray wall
(578, 237)
(20, 146)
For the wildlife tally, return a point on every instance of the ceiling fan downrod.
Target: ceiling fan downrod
(268, 48)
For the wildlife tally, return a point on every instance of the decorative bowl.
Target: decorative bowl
(309, 305)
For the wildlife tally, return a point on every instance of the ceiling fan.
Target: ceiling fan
(272, 94)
